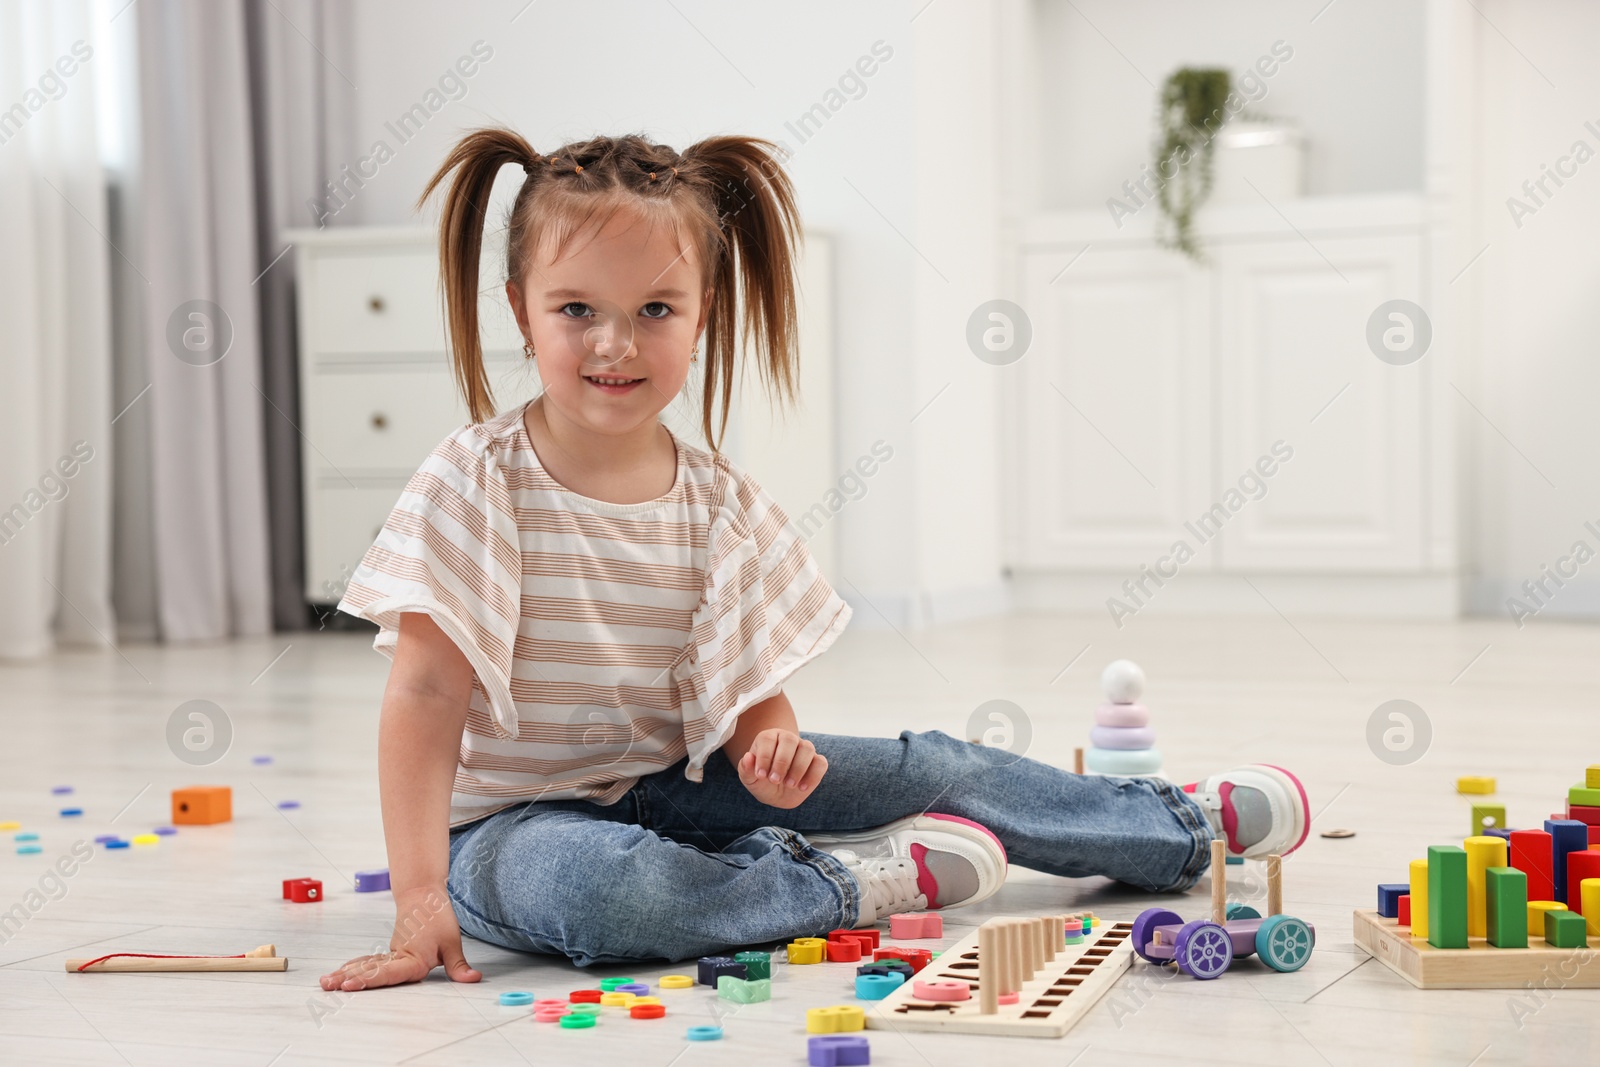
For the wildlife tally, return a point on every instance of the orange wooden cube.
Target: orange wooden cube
(201, 805)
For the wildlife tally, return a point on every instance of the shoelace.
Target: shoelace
(891, 884)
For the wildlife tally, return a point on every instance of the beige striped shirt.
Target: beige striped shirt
(607, 640)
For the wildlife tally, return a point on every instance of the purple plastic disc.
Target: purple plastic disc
(260, 761)
(372, 881)
(165, 831)
(104, 838)
(288, 805)
(61, 790)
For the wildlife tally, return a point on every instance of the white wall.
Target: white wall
(902, 172)
(1354, 84)
(1537, 317)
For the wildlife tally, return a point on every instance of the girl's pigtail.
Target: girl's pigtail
(477, 159)
(760, 227)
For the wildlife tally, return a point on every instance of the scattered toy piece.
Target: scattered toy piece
(116, 843)
(61, 790)
(807, 950)
(835, 1018)
(636, 988)
(202, 805)
(837, 1050)
(261, 958)
(1338, 833)
(1478, 785)
(585, 996)
(647, 1011)
(27, 835)
(515, 1000)
(165, 831)
(146, 839)
(29, 850)
(6, 827)
(372, 881)
(577, 1021)
(261, 761)
(756, 964)
(676, 981)
(915, 925)
(288, 805)
(68, 813)
(302, 890)
(742, 991)
(877, 986)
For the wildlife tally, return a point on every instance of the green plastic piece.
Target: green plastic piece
(1589, 798)
(1447, 896)
(584, 1009)
(757, 965)
(1237, 910)
(744, 991)
(1565, 929)
(577, 1021)
(609, 985)
(1506, 895)
(1486, 817)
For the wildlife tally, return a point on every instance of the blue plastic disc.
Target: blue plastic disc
(28, 850)
(515, 1000)
(704, 1033)
(118, 843)
(69, 812)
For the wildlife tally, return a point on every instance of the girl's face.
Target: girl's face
(613, 322)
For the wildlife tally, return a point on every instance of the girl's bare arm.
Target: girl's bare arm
(419, 739)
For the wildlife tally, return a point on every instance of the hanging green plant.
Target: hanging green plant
(1193, 107)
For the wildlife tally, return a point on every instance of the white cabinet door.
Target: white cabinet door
(1294, 365)
(1113, 395)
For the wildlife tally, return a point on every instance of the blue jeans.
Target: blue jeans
(676, 870)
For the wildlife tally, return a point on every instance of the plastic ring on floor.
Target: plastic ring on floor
(647, 1011)
(704, 1033)
(515, 1000)
(577, 1020)
(676, 981)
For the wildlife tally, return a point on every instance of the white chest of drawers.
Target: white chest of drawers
(376, 389)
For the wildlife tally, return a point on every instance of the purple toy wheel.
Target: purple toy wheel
(1144, 929)
(1203, 949)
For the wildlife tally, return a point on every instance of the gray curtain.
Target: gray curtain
(228, 105)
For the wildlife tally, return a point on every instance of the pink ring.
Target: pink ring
(940, 989)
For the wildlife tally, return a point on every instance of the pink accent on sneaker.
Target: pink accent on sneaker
(927, 884)
(980, 826)
(1230, 818)
(1191, 787)
(1305, 806)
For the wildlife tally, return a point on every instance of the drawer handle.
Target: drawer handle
(379, 421)
(375, 303)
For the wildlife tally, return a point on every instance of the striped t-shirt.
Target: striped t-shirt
(607, 640)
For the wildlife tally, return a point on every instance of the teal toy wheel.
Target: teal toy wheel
(1242, 911)
(1284, 943)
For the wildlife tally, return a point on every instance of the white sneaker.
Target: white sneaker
(1258, 809)
(922, 862)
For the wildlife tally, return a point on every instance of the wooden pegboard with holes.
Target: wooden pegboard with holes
(1053, 995)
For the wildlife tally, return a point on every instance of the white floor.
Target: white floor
(1221, 692)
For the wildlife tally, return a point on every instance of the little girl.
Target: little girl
(585, 747)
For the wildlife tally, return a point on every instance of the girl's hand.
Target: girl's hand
(425, 936)
(781, 768)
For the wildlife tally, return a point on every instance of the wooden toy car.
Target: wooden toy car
(1205, 948)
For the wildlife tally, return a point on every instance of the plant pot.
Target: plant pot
(1267, 155)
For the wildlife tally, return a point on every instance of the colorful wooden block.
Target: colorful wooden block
(835, 1018)
(917, 957)
(743, 991)
(202, 805)
(1506, 903)
(1594, 837)
(1419, 898)
(1486, 817)
(1530, 854)
(1589, 895)
(1475, 784)
(1447, 896)
(1566, 835)
(837, 1050)
(807, 950)
(1591, 776)
(844, 950)
(1565, 929)
(1536, 910)
(1482, 853)
(1584, 813)
(1403, 910)
(302, 890)
(1389, 894)
(757, 965)
(877, 986)
(867, 935)
(1581, 866)
(1583, 795)
(900, 967)
(712, 968)
(913, 925)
